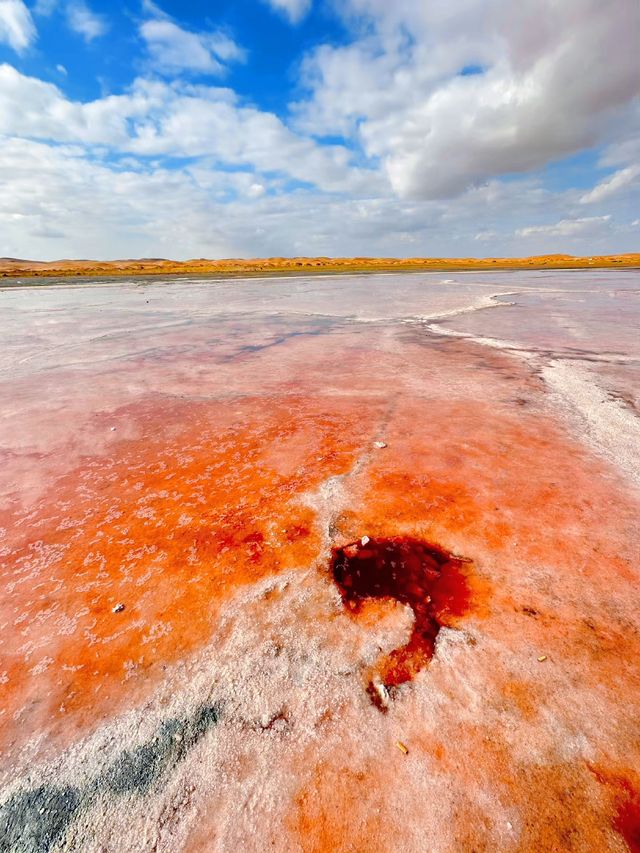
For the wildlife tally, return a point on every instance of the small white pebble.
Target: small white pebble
(382, 692)
(379, 444)
(364, 540)
(113, 429)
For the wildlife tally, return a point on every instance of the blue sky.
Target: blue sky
(107, 63)
(285, 127)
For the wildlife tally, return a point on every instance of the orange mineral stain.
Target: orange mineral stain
(169, 528)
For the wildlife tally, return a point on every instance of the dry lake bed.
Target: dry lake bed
(321, 564)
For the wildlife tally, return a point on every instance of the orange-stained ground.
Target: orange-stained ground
(168, 517)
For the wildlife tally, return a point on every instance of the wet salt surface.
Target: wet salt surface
(181, 459)
(560, 311)
(596, 323)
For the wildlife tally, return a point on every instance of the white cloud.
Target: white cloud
(294, 10)
(16, 25)
(128, 210)
(173, 49)
(588, 225)
(127, 207)
(555, 78)
(83, 21)
(612, 185)
(157, 119)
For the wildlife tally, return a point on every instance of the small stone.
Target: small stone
(113, 429)
(379, 444)
(365, 540)
(403, 749)
(382, 693)
(118, 608)
(542, 658)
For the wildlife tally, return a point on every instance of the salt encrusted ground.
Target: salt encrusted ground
(193, 452)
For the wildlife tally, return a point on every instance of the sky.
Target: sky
(260, 128)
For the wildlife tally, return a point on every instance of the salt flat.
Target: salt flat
(197, 476)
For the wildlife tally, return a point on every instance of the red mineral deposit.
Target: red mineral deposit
(425, 578)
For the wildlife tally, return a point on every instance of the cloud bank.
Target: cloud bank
(552, 78)
(429, 129)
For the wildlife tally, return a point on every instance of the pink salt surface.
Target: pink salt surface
(194, 451)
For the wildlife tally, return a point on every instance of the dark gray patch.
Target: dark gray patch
(323, 325)
(205, 717)
(32, 821)
(136, 770)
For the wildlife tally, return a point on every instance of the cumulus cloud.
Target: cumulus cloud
(128, 209)
(587, 225)
(173, 49)
(294, 10)
(83, 21)
(125, 206)
(156, 119)
(612, 185)
(16, 25)
(553, 78)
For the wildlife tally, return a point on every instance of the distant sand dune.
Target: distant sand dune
(15, 267)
